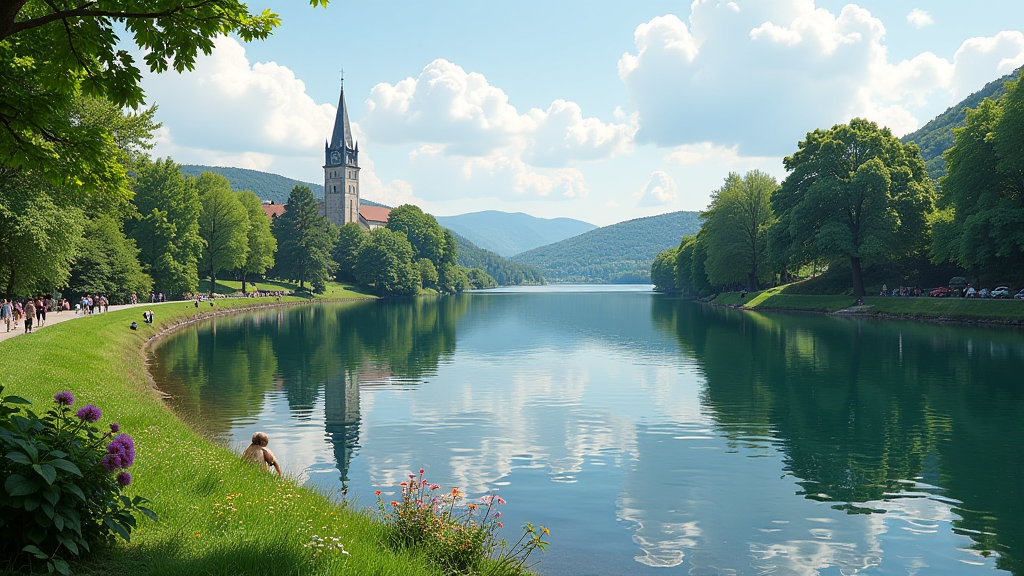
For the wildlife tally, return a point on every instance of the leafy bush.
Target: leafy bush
(460, 538)
(62, 482)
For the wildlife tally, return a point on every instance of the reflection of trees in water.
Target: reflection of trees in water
(219, 371)
(859, 406)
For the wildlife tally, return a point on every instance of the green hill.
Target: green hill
(621, 252)
(266, 185)
(936, 136)
(505, 272)
(509, 233)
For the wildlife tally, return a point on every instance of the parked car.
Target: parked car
(940, 292)
(971, 292)
(1019, 295)
(984, 293)
(1001, 292)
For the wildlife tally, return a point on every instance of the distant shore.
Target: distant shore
(973, 310)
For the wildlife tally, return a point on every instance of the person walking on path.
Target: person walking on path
(6, 313)
(30, 314)
(40, 312)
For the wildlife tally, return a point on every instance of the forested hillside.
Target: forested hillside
(935, 137)
(622, 252)
(505, 272)
(509, 234)
(266, 185)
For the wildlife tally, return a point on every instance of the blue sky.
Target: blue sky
(602, 111)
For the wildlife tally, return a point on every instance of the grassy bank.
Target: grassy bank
(217, 514)
(334, 290)
(953, 309)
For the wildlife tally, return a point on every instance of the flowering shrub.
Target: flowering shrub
(461, 537)
(61, 482)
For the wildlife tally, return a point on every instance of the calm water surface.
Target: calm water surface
(651, 435)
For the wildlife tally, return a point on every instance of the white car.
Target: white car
(1000, 292)
(1019, 295)
(971, 292)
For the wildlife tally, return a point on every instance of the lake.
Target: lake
(650, 434)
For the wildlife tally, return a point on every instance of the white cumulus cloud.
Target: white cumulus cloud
(659, 190)
(759, 75)
(919, 18)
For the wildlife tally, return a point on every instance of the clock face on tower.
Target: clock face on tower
(335, 158)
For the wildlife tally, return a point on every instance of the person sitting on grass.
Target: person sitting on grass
(258, 453)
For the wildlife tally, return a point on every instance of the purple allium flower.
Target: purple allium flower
(124, 478)
(89, 413)
(115, 427)
(64, 398)
(120, 453)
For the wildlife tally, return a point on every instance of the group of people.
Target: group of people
(92, 305)
(29, 311)
(902, 291)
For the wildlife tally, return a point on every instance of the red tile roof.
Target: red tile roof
(274, 210)
(374, 213)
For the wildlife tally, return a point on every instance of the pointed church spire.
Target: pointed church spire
(342, 135)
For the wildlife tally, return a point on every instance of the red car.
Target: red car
(940, 292)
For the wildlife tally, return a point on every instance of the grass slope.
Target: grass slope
(266, 185)
(505, 272)
(218, 515)
(621, 252)
(333, 290)
(508, 234)
(956, 309)
(935, 137)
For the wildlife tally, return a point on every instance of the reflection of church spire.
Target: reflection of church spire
(341, 411)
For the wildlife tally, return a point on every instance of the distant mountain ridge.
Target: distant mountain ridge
(507, 273)
(935, 137)
(266, 185)
(510, 233)
(621, 252)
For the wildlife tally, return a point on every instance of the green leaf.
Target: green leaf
(58, 521)
(32, 503)
(46, 471)
(65, 466)
(116, 527)
(18, 485)
(16, 400)
(62, 566)
(33, 550)
(149, 513)
(75, 490)
(48, 510)
(19, 457)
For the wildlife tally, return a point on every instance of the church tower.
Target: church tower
(341, 170)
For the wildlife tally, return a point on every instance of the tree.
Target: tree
(346, 251)
(736, 225)
(855, 192)
(480, 279)
(223, 225)
(52, 49)
(426, 236)
(305, 241)
(386, 262)
(428, 273)
(981, 222)
(663, 270)
(39, 233)
(452, 278)
(684, 265)
(262, 244)
(167, 229)
(107, 263)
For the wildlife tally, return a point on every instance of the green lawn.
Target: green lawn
(1010, 311)
(334, 289)
(218, 516)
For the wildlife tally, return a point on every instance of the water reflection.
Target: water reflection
(652, 435)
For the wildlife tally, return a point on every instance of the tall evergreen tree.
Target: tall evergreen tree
(223, 226)
(346, 251)
(262, 244)
(167, 229)
(305, 240)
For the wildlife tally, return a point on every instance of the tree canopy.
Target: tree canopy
(223, 226)
(854, 192)
(736, 226)
(305, 240)
(262, 244)
(50, 50)
(386, 262)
